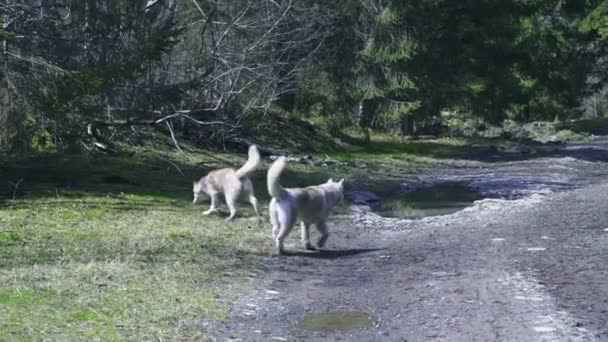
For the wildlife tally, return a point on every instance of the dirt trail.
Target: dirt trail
(530, 269)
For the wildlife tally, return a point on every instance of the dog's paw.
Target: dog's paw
(280, 249)
(322, 241)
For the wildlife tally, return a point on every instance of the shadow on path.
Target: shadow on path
(332, 253)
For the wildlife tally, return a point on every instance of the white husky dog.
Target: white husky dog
(311, 205)
(234, 184)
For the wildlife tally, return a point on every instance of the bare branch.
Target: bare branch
(175, 141)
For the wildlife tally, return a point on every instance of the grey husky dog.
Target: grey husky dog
(311, 205)
(234, 184)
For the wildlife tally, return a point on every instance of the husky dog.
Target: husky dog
(310, 205)
(234, 184)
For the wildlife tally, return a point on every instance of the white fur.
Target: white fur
(234, 184)
(311, 205)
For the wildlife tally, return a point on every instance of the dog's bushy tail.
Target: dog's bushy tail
(253, 160)
(274, 188)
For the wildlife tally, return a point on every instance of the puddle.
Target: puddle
(441, 199)
(337, 320)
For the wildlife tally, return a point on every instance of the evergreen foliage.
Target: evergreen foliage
(200, 67)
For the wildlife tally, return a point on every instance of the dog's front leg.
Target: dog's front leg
(213, 207)
(322, 227)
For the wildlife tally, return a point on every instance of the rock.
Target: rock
(536, 249)
(363, 197)
(295, 159)
(361, 209)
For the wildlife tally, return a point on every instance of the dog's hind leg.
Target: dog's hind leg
(306, 236)
(274, 219)
(322, 227)
(232, 205)
(286, 221)
(254, 204)
(213, 208)
(283, 231)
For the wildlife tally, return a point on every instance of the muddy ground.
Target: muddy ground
(527, 263)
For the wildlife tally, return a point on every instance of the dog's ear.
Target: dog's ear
(330, 181)
(341, 181)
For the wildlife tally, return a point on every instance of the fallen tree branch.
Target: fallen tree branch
(175, 142)
(186, 114)
(174, 165)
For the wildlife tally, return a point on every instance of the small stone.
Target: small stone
(272, 292)
(248, 312)
(532, 299)
(498, 240)
(445, 274)
(544, 329)
(278, 338)
(536, 249)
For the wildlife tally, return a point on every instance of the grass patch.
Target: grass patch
(138, 273)
(424, 148)
(18, 297)
(81, 257)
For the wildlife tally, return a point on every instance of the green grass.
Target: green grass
(117, 268)
(81, 258)
(425, 148)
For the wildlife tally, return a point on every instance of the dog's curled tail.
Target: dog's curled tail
(253, 160)
(274, 188)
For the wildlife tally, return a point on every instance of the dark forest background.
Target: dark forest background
(77, 72)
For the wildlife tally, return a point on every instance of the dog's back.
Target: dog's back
(229, 180)
(219, 180)
(312, 203)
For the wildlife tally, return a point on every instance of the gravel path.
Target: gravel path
(532, 268)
